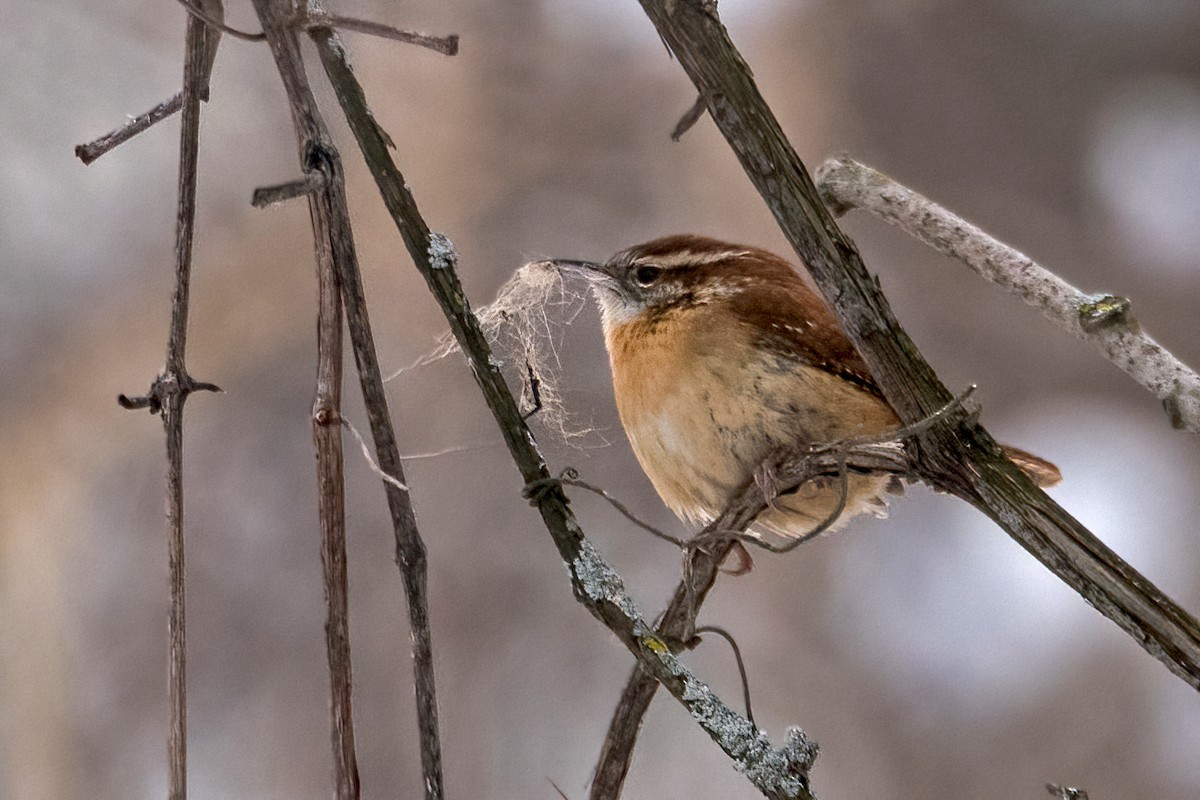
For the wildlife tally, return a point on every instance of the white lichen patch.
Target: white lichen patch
(748, 746)
(600, 582)
(441, 251)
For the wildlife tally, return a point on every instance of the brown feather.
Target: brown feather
(727, 356)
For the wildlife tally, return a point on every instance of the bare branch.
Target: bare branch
(689, 118)
(89, 152)
(195, 79)
(170, 391)
(319, 18)
(777, 773)
(196, 9)
(270, 195)
(327, 438)
(1104, 321)
(213, 13)
(331, 226)
(737, 656)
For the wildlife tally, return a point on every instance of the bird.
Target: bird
(722, 356)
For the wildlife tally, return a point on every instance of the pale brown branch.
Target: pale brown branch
(265, 196)
(167, 396)
(89, 152)
(315, 18)
(332, 229)
(327, 438)
(1104, 321)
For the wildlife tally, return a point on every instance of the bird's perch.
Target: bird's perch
(963, 460)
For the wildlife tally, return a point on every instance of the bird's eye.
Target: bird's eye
(646, 275)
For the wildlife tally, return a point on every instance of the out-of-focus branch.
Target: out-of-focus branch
(327, 438)
(216, 22)
(964, 460)
(90, 151)
(1104, 321)
(331, 229)
(315, 18)
(270, 195)
(168, 394)
(777, 773)
(211, 9)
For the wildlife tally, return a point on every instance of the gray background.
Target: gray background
(928, 654)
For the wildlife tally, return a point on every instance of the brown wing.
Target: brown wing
(792, 319)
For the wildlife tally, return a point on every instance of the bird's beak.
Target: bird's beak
(591, 271)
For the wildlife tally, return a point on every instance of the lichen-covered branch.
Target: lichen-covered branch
(962, 459)
(1104, 321)
(777, 773)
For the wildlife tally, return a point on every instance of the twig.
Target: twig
(327, 438)
(168, 394)
(195, 77)
(737, 655)
(1104, 321)
(689, 118)
(777, 773)
(213, 12)
(217, 21)
(89, 152)
(270, 195)
(331, 222)
(318, 18)
(570, 477)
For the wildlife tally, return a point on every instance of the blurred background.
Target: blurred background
(928, 654)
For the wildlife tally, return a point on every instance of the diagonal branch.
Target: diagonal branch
(90, 151)
(777, 773)
(211, 10)
(331, 227)
(1104, 321)
(964, 460)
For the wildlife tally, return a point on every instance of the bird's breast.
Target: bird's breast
(703, 406)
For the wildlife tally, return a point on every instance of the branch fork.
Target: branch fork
(212, 14)
(165, 386)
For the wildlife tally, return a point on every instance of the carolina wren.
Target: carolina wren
(721, 356)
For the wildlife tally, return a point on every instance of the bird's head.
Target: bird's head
(677, 273)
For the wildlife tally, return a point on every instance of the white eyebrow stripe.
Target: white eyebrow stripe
(682, 258)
